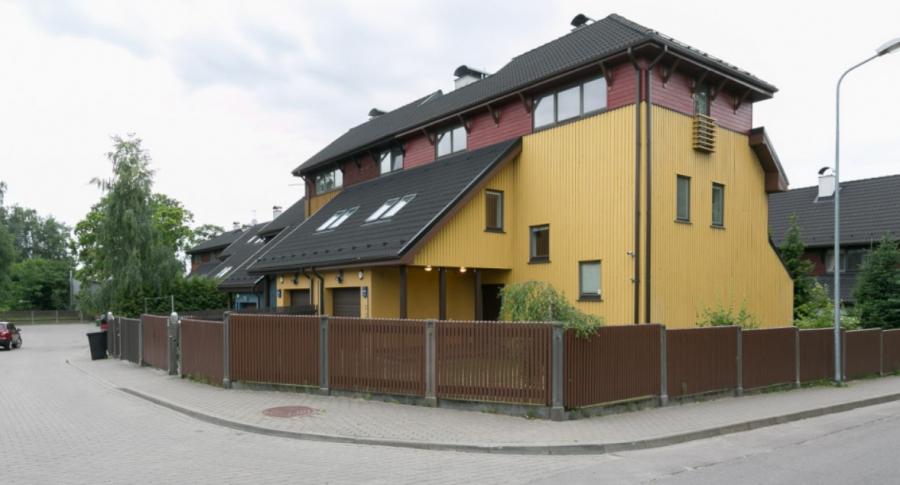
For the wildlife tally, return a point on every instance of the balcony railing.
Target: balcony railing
(704, 133)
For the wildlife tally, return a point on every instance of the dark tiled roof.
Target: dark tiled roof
(601, 39)
(205, 270)
(221, 241)
(239, 278)
(294, 215)
(870, 209)
(438, 186)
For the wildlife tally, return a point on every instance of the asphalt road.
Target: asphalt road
(59, 425)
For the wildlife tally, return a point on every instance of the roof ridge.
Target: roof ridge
(847, 182)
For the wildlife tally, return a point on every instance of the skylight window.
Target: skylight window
(337, 219)
(390, 208)
(224, 271)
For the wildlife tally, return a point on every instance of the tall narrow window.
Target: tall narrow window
(683, 199)
(493, 204)
(589, 286)
(545, 111)
(540, 243)
(718, 205)
(701, 100)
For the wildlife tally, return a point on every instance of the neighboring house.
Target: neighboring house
(249, 290)
(870, 209)
(207, 255)
(615, 163)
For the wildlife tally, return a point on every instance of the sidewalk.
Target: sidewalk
(356, 420)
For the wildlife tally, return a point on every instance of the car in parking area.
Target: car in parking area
(10, 337)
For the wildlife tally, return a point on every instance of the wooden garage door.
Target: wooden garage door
(299, 298)
(346, 302)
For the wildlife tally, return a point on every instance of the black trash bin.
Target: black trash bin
(97, 341)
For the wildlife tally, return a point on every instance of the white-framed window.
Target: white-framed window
(390, 160)
(337, 219)
(390, 208)
(851, 259)
(450, 141)
(589, 280)
(570, 102)
(493, 205)
(329, 180)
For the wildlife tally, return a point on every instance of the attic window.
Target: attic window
(390, 160)
(329, 180)
(337, 219)
(451, 141)
(574, 101)
(390, 208)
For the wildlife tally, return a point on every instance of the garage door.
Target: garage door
(299, 298)
(346, 302)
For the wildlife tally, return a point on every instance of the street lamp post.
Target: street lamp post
(887, 48)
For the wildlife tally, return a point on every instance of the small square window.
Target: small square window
(589, 280)
(683, 199)
(493, 203)
(540, 243)
(718, 205)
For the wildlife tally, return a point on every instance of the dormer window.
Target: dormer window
(390, 160)
(329, 180)
(571, 102)
(450, 141)
(390, 208)
(337, 219)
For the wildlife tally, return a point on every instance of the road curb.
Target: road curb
(565, 449)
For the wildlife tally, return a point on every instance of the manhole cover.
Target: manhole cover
(289, 412)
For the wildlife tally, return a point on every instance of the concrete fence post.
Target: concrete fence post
(881, 353)
(557, 343)
(173, 333)
(180, 352)
(141, 341)
(796, 357)
(663, 367)
(430, 363)
(739, 391)
(843, 356)
(226, 358)
(323, 354)
(32, 317)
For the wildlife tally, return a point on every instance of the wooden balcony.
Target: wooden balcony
(704, 133)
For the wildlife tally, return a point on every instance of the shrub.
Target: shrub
(719, 316)
(537, 301)
(818, 312)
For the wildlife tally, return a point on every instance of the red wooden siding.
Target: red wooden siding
(676, 95)
(354, 174)
(419, 151)
(621, 91)
(514, 122)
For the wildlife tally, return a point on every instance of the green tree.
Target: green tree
(205, 232)
(172, 221)
(537, 301)
(7, 257)
(878, 289)
(39, 283)
(35, 236)
(799, 269)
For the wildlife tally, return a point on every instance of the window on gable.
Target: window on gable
(493, 204)
(701, 99)
(451, 140)
(390, 160)
(329, 180)
(390, 208)
(683, 199)
(337, 219)
(718, 205)
(589, 280)
(540, 243)
(571, 102)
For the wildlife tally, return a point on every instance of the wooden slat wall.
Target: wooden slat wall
(130, 350)
(701, 360)
(201, 350)
(372, 355)
(863, 353)
(278, 349)
(769, 357)
(493, 362)
(891, 345)
(617, 363)
(816, 354)
(156, 345)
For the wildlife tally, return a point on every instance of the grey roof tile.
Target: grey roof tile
(221, 241)
(291, 217)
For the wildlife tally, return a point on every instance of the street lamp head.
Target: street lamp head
(889, 46)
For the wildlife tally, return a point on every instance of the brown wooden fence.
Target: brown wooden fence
(891, 345)
(156, 345)
(277, 349)
(201, 350)
(769, 357)
(493, 362)
(383, 356)
(701, 360)
(112, 338)
(615, 364)
(862, 351)
(130, 349)
(816, 354)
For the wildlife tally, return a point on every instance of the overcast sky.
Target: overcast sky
(229, 97)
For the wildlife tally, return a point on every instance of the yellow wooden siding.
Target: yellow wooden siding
(695, 266)
(316, 202)
(285, 283)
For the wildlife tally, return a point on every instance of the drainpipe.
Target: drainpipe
(649, 191)
(636, 253)
(321, 290)
(308, 277)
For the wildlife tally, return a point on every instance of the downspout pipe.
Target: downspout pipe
(309, 278)
(636, 253)
(648, 239)
(321, 290)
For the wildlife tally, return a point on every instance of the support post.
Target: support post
(323, 354)
(881, 353)
(557, 407)
(843, 355)
(141, 341)
(479, 297)
(663, 368)
(442, 294)
(739, 391)
(430, 363)
(796, 357)
(173, 343)
(226, 358)
(403, 291)
(57, 316)
(180, 353)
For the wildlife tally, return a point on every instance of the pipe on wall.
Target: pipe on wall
(636, 253)
(648, 238)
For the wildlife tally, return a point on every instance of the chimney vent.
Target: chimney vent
(236, 225)
(276, 211)
(580, 21)
(466, 75)
(375, 113)
(826, 183)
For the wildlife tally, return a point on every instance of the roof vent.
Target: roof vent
(375, 113)
(466, 75)
(580, 21)
(236, 225)
(826, 183)
(276, 211)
